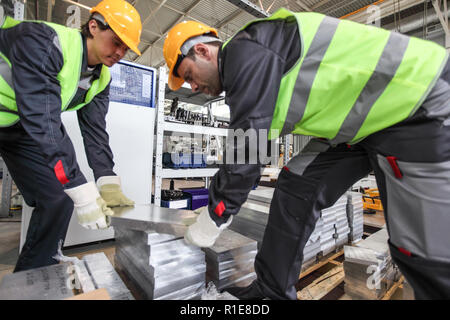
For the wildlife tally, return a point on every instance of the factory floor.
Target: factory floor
(10, 240)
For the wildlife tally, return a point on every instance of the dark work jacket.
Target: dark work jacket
(251, 67)
(36, 62)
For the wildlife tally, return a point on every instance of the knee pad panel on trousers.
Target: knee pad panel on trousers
(430, 279)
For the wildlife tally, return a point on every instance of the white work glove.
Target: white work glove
(89, 206)
(111, 191)
(204, 232)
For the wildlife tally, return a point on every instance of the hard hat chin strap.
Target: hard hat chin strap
(189, 43)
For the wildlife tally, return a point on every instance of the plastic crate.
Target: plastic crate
(177, 160)
(198, 197)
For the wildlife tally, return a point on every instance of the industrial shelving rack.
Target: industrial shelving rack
(163, 126)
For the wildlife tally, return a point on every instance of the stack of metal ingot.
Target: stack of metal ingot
(355, 216)
(312, 247)
(162, 266)
(368, 267)
(327, 237)
(65, 280)
(230, 261)
(341, 226)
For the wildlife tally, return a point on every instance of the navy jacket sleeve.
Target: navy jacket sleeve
(36, 62)
(251, 83)
(91, 119)
(251, 66)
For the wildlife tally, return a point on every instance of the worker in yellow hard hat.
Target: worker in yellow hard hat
(46, 69)
(373, 99)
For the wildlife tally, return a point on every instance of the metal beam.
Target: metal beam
(192, 7)
(304, 6)
(444, 20)
(250, 8)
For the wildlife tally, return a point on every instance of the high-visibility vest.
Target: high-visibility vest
(71, 46)
(351, 80)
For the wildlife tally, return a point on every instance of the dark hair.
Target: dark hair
(191, 52)
(85, 27)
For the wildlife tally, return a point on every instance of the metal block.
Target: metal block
(154, 288)
(151, 217)
(46, 283)
(104, 276)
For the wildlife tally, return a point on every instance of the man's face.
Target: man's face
(202, 74)
(107, 46)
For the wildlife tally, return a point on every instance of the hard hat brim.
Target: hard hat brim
(174, 83)
(130, 44)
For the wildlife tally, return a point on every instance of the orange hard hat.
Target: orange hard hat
(176, 37)
(123, 19)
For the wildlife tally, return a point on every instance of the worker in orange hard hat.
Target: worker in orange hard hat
(374, 100)
(177, 45)
(122, 18)
(47, 69)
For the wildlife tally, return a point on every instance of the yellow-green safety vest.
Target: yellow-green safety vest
(351, 80)
(72, 50)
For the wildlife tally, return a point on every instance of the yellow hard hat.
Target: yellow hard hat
(176, 37)
(123, 19)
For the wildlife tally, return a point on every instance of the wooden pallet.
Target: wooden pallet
(332, 277)
(324, 284)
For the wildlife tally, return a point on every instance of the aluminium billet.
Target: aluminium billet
(151, 217)
(229, 245)
(105, 276)
(157, 253)
(46, 283)
(161, 278)
(178, 289)
(190, 263)
(242, 281)
(263, 195)
(239, 262)
(244, 268)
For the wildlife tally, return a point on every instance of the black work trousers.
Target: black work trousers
(40, 189)
(411, 162)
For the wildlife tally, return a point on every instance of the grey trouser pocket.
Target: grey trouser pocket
(418, 207)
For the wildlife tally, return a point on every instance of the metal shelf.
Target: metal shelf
(188, 173)
(162, 126)
(190, 128)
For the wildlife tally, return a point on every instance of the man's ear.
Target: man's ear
(93, 27)
(202, 50)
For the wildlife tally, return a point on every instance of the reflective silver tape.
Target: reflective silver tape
(387, 66)
(308, 72)
(5, 72)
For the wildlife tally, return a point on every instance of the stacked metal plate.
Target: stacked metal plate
(355, 216)
(342, 228)
(59, 281)
(251, 220)
(230, 261)
(368, 267)
(312, 247)
(161, 266)
(327, 237)
(151, 251)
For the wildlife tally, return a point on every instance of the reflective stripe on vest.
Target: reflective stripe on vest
(352, 80)
(69, 42)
